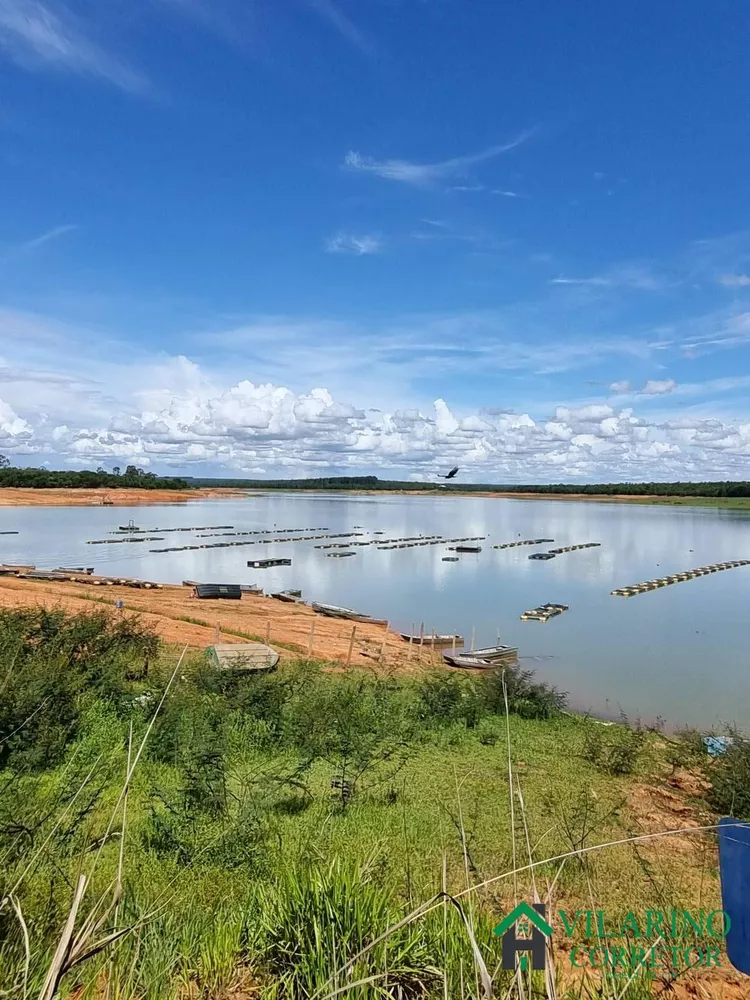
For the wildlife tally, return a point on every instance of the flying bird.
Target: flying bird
(450, 474)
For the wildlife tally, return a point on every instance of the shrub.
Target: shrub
(614, 750)
(729, 774)
(52, 666)
(526, 697)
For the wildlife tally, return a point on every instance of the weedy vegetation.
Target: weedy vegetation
(168, 830)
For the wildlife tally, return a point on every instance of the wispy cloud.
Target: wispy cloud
(599, 282)
(734, 280)
(436, 230)
(407, 172)
(51, 234)
(351, 244)
(654, 387)
(621, 276)
(328, 10)
(36, 35)
(506, 194)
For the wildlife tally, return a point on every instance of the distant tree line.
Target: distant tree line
(682, 489)
(86, 479)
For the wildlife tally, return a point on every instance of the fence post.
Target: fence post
(351, 645)
(310, 638)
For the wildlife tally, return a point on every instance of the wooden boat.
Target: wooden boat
(13, 570)
(251, 588)
(289, 596)
(243, 656)
(433, 640)
(333, 611)
(88, 570)
(482, 659)
(218, 591)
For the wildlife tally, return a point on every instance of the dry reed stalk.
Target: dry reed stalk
(15, 903)
(440, 900)
(351, 645)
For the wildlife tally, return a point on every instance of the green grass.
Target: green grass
(245, 871)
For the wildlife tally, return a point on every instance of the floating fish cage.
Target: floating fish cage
(665, 581)
(544, 612)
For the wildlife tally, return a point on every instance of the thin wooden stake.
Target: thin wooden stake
(310, 638)
(453, 644)
(351, 645)
(411, 648)
(268, 631)
(421, 634)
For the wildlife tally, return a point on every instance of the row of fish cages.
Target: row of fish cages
(380, 542)
(254, 541)
(551, 553)
(131, 527)
(265, 531)
(575, 548)
(525, 541)
(437, 540)
(667, 581)
(544, 612)
(126, 541)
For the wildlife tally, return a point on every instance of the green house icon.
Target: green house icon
(523, 911)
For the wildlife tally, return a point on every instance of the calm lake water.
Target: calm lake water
(680, 653)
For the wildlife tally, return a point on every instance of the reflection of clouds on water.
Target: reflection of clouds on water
(648, 654)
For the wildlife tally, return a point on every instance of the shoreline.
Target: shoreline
(24, 496)
(181, 619)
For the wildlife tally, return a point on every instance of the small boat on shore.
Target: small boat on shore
(289, 596)
(433, 640)
(482, 659)
(334, 611)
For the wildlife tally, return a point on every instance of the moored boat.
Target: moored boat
(479, 659)
(433, 640)
(334, 611)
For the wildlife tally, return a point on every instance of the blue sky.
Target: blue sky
(288, 237)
